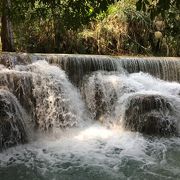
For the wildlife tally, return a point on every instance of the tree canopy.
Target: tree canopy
(157, 7)
(56, 25)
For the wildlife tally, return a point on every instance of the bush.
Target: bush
(119, 30)
(124, 30)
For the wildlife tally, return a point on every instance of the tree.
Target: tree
(64, 15)
(156, 7)
(6, 29)
(167, 12)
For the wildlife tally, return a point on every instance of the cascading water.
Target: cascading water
(117, 123)
(134, 101)
(58, 103)
(13, 118)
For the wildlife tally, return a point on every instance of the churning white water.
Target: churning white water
(94, 152)
(96, 144)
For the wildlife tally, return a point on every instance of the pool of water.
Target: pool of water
(93, 153)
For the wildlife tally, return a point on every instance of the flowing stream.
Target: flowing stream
(105, 122)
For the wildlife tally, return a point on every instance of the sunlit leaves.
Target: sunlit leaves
(155, 7)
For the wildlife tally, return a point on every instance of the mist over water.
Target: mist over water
(81, 133)
(95, 151)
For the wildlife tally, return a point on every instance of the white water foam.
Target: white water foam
(112, 152)
(113, 91)
(94, 149)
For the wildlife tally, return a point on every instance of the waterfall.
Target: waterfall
(138, 101)
(77, 66)
(100, 117)
(58, 102)
(20, 84)
(164, 68)
(12, 121)
(66, 91)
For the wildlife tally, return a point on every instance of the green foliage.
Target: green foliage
(40, 25)
(80, 12)
(167, 11)
(73, 14)
(122, 31)
(97, 27)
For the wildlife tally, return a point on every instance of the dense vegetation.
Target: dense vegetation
(148, 27)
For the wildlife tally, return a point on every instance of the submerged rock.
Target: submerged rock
(150, 114)
(12, 121)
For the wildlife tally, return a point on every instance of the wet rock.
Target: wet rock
(150, 114)
(23, 59)
(6, 61)
(101, 91)
(12, 121)
(104, 104)
(100, 95)
(20, 84)
(9, 60)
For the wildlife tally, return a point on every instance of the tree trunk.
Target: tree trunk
(58, 36)
(6, 30)
(58, 28)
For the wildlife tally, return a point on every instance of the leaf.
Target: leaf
(146, 2)
(139, 5)
(144, 7)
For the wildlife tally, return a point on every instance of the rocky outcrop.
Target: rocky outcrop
(20, 84)
(100, 95)
(12, 121)
(9, 60)
(6, 61)
(150, 114)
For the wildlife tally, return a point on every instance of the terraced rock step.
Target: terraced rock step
(150, 114)
(12, 121)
